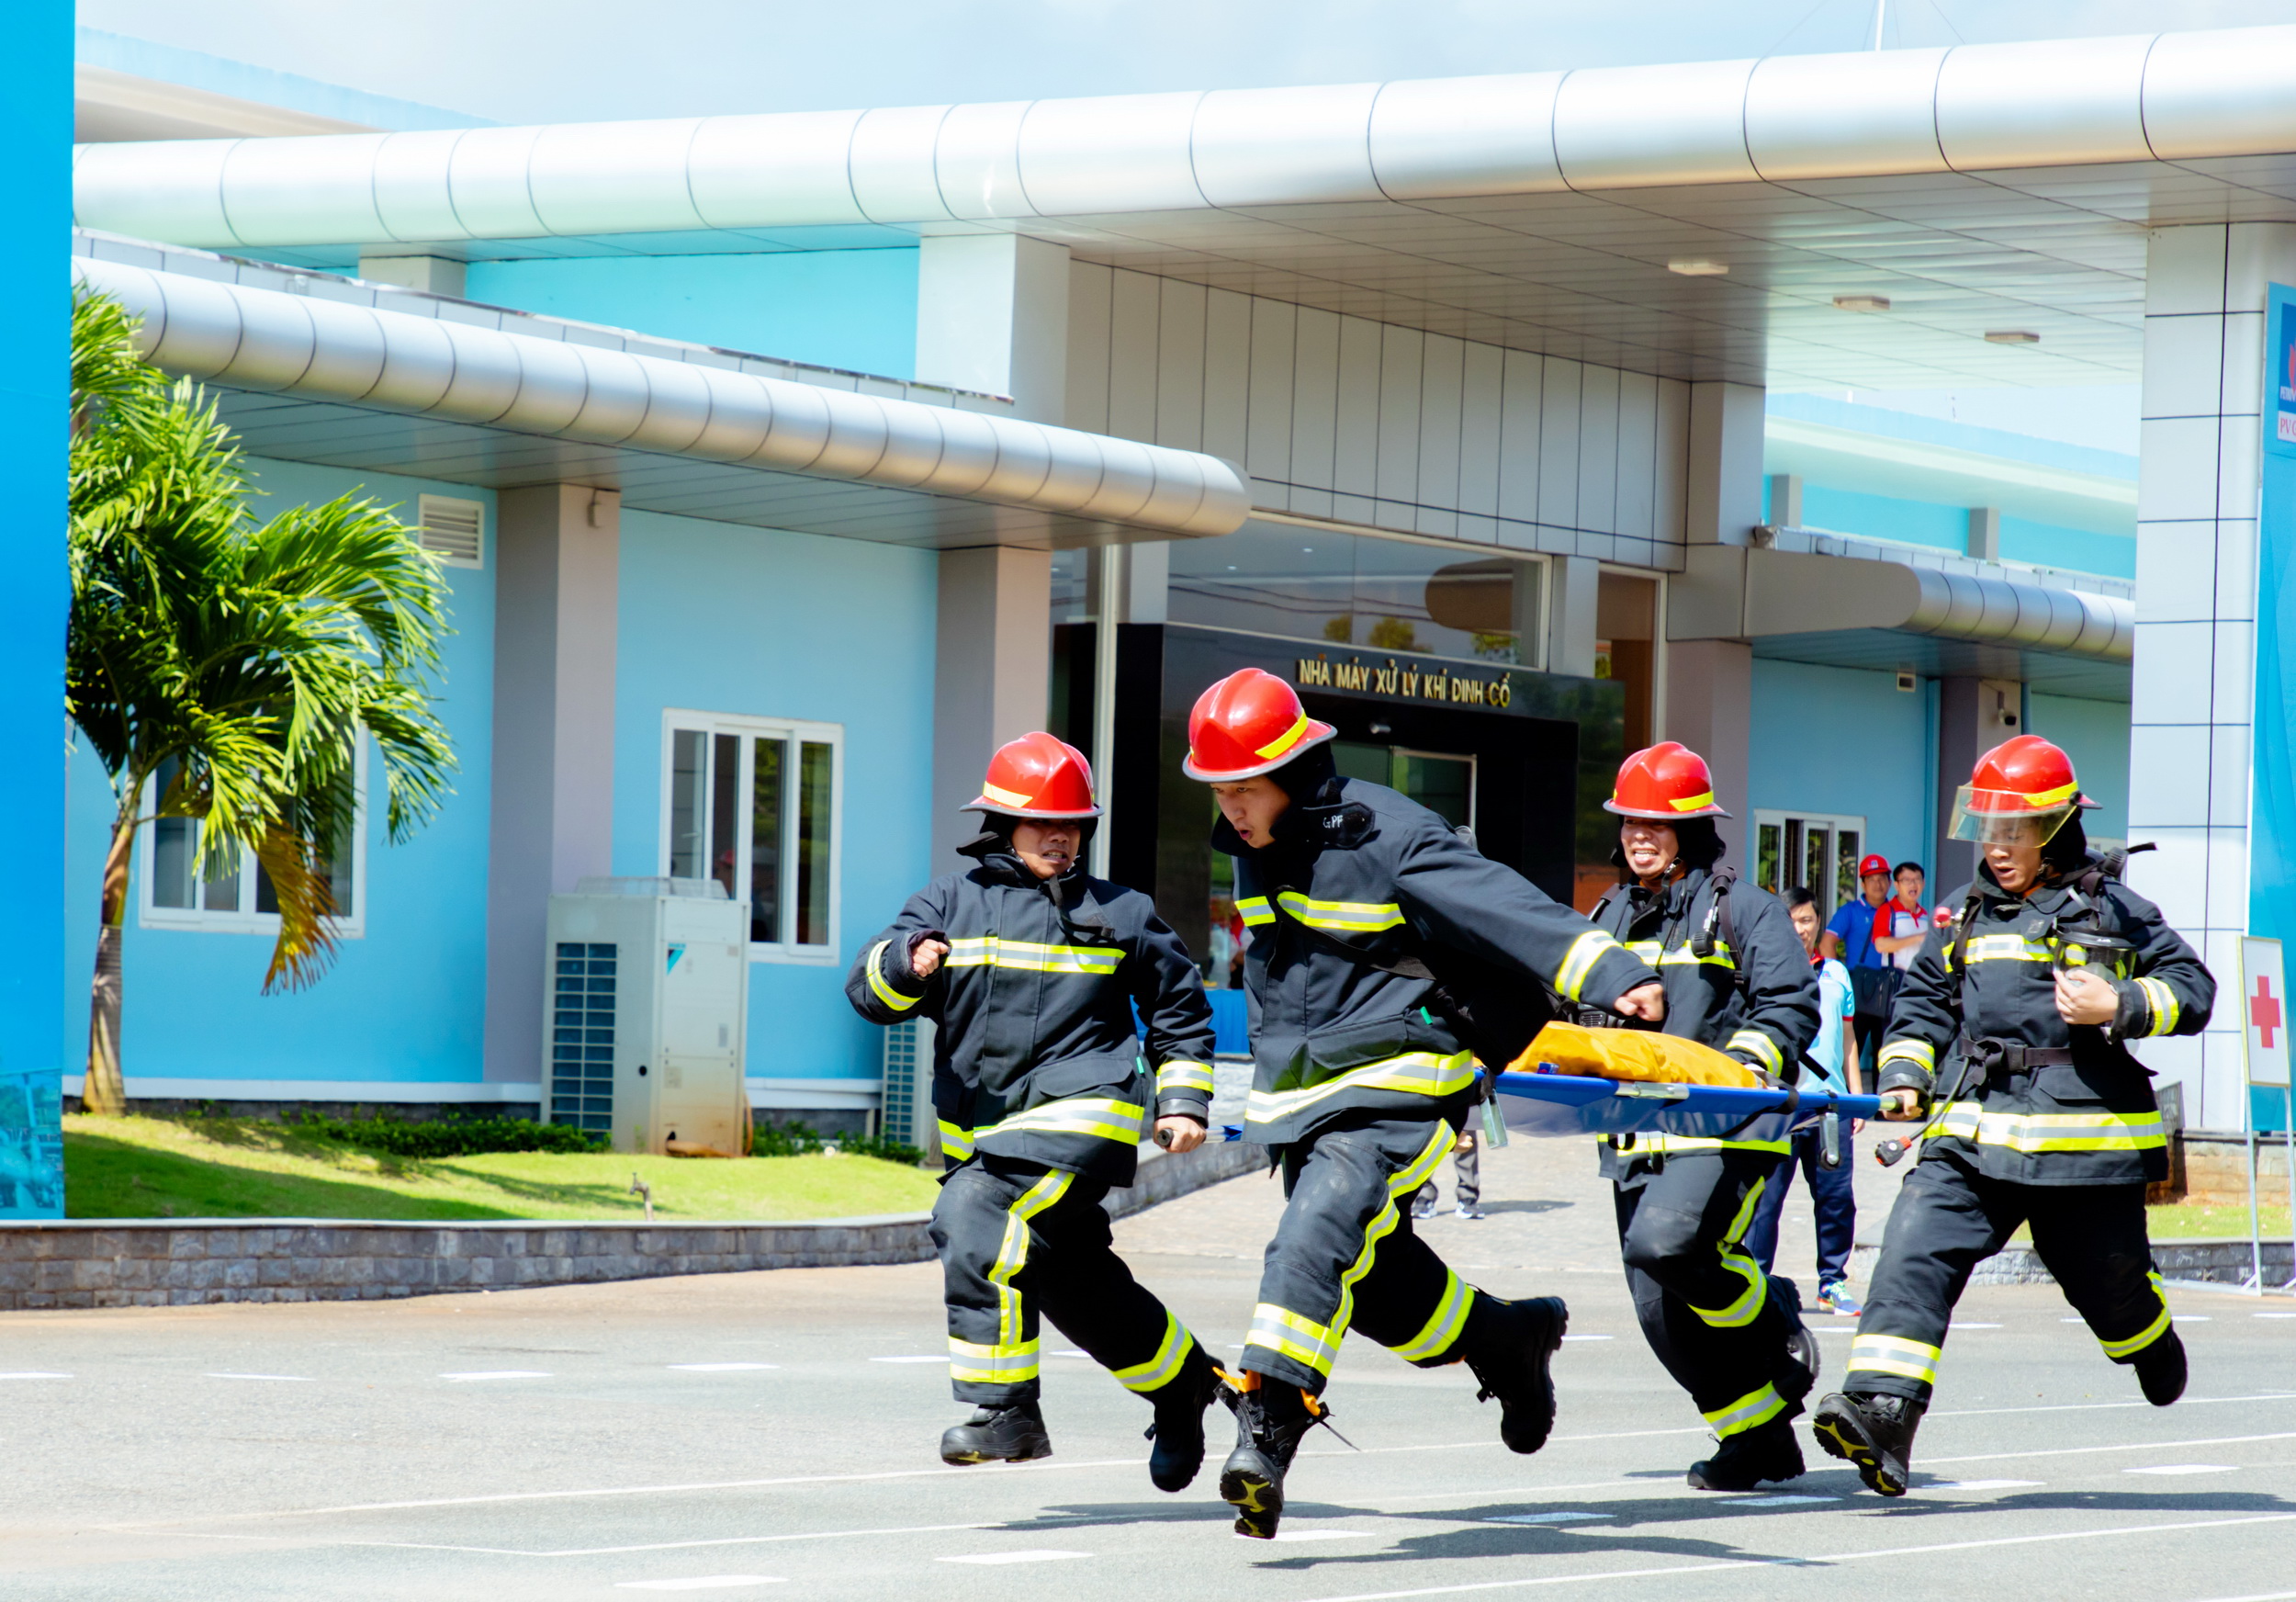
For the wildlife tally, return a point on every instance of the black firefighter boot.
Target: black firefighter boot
(1271, 1416)
(1874, 1433)
(1178, 1429)
(1767, 1452)
(1510, 1345)
(1012, 1434)
(2160, 1369)
(1800, 1376)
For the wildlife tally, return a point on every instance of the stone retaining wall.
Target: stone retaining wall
(117, 1262)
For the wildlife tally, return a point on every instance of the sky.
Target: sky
(536, 61)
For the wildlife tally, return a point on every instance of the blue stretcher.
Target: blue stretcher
(1548, 1103)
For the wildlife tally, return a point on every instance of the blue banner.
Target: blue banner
(2272, 755)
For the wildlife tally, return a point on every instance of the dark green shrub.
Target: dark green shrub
(455, 1137)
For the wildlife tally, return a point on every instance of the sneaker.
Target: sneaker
(997, 1434)
(1423, 1208)
(1468, 1210)
(1768, 1452)
(1839, 1298)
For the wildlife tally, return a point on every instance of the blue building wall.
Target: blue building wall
(854, 310)
(405, 1002)
(721, 618)
(1927, 523)
(2095, 734)
(1844, 740)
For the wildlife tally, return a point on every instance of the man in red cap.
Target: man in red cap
(1739, 980)
(1031, 969)
(2049, 968)
(1384, 949)
(1863, 937)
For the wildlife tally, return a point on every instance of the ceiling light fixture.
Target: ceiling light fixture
(2010, 337)
(1699, 267)
(1861, 303)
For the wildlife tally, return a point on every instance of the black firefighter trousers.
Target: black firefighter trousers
(1949, 1218)
(1344, 1255)
(1019, 1240)
(1704, 1303)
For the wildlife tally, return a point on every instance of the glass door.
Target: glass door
(1817, 851)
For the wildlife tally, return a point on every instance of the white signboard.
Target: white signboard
(2264, 1012)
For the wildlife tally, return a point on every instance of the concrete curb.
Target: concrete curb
(124, 1262)
(2211, 1262)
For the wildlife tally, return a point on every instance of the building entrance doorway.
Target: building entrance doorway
(1816, 850)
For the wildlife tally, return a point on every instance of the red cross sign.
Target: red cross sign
(2264, 1012)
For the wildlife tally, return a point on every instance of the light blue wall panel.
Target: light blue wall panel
(2046, 545)
(719, 618)
(1884, 517)
(855, 310)
(2095, 734)
(406, 1002)
(1842, 741)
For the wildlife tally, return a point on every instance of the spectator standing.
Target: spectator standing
(1854, 938)
(1908, 920)
(1467, 1168)
(1833, 1197)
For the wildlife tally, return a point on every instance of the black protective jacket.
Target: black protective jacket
(1737, 978)
(1036, 1056)
(2028, 1097)
(1366, 877)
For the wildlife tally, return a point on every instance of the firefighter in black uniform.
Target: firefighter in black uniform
(1737, 979)
(2048, 968)
(1358, 901)
(1031, 969)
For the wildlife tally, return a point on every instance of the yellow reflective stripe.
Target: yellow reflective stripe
(1255, 911)
(1682, 956)
(995, 952)
(1919, 1052)
(1693, 803)
(1316, 1345)
(1891, 1354)
(1412, 1073)
(1012, 1255)
(2052, 1131)
(1178, 1074)
(1748, 1306)
(993, 1365)
(2061, 793)
(1161, 1369)
(885, 992)
(1749, 1412)
(2010, 947)
(954, 1141)
(1008, 798)
(2148, 1335)
(1355, 916)
(1760, 1046)
(1287, 1333)
(1579, 960)
(1283, 741)
(1442, 1329)
(1106, 1117)
(2163, 1003)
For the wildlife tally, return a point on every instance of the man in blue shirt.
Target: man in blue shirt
(1832, 1195)
(1859, 938)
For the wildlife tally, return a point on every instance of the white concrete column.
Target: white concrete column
(1785, 501)
(1709, 708)
(1984, 541)
(992, 314)
(2198, 492)
(1724, 499)
(557, 554)
(431, 275)
(1572, 622)
(992, 675)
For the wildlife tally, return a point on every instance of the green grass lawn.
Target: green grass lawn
(2186, 1220)
(218, 1168)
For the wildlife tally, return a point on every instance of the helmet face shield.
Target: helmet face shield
(2008, 818)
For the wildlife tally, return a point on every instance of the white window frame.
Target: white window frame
(793, 732)
(247, 920)
(1833, 821)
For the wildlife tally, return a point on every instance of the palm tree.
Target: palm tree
(225, 670)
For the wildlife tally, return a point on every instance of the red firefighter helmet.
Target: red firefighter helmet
(1037, 776)
(2021, 790)
(1247, 723)
(1667, 782)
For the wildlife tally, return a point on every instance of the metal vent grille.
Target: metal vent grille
(897, 1119)
(454, 530)
(581, 1036)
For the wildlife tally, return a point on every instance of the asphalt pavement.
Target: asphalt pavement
(775, 1433)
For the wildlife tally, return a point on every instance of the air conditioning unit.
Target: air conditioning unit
(906, 1102)
(647, 1013)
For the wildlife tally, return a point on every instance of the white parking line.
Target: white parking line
(1588, 1338)
(1546, 1517)
(34, 1374)
(1041, 1555)
(1784, 1500)
(702, 1583)
(1973, 1484)
(1900, 1552)
(720, 1368)
(496, 1374)
(294, 1378)
(2074, 1451)
(1317, 1535)
(942, 1358)
(2183, 1469)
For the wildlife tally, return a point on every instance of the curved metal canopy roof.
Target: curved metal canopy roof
(1696, 221)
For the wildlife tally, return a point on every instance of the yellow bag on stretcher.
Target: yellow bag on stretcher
(1631, 1054)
